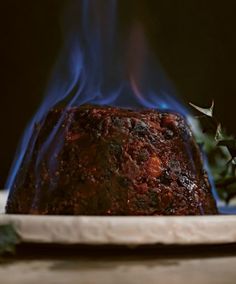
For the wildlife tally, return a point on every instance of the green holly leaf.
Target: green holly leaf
(205, 111)
(219, 133)
(8, 239)
(230, 144)
(209, 125)
(208, 122)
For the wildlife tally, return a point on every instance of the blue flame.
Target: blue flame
(92, 68)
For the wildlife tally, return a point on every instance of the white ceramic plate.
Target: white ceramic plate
(123, 230)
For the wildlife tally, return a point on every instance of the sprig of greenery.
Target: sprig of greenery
(221, 152)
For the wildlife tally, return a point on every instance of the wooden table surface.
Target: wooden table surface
(34, 264)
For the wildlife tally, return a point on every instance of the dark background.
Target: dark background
(194, 40)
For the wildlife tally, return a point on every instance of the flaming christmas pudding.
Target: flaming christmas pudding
(111, 161)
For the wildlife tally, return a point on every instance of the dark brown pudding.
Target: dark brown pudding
(112, 161)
